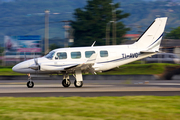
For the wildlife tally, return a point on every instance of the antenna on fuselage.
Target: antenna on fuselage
(93, 44)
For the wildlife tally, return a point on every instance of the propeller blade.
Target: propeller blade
(36, 61)
(37, 64)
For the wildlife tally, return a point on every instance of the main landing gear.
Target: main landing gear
(66, 82)
(77, 83)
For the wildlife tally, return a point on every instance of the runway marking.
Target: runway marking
(17, 83)
(48, 87)
(86, 88)
(164, 84)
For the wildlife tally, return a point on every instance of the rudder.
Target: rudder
(150, 40)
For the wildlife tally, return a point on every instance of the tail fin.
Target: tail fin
(150, 40)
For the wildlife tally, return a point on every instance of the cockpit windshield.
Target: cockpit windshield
(50, 55)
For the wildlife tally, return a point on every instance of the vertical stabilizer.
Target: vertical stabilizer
(150, 40)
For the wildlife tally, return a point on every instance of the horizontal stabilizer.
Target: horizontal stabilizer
(148, 51)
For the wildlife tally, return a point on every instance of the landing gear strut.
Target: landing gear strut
(79, 80)
(30, 83)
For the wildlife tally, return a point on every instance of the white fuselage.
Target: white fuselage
(91, 59)
(108, 57)
(100, 58)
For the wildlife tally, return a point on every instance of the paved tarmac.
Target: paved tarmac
(91, 88)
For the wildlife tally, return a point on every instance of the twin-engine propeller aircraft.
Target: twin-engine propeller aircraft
(92, 59)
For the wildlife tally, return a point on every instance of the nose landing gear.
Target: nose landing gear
(30, 83)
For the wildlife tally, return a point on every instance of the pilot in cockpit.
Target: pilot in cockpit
(58, 56)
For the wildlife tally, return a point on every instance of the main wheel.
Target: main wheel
(66, 83)
(30, 84)
(78, 83)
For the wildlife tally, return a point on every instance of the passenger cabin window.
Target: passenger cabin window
(104, 53)
(75, 55)
(89, 53)
(50, 55)
(61, 55)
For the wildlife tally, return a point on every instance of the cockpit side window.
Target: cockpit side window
(50, 55)
(61, 55)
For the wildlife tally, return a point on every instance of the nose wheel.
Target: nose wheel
(30, 84)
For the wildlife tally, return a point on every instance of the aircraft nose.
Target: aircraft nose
(21, 67)
(16, 68)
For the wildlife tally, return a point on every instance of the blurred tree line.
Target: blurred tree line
(174, 33)
(25, 17)
(91, 22)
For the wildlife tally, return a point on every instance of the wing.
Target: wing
(87, 66)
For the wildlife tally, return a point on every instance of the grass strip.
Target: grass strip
(91, 108)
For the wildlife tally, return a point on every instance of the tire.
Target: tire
(78, 84)
(30, 84)
(66, 84)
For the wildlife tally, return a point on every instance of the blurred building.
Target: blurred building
(171, 46)
(68, 33)
(19, 48)
(131, 36)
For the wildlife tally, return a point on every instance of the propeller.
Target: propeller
(36, 62)
(35, 66)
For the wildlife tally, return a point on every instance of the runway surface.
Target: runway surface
(91, 88)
